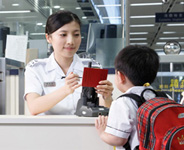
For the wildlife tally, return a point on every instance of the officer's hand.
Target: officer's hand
(71, 82)
(105, 88)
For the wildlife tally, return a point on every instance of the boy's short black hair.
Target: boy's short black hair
(139, 63)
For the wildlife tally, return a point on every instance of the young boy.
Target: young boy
(136, 67)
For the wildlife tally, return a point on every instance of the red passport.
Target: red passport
(92, 76)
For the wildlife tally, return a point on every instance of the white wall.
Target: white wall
(116, 92)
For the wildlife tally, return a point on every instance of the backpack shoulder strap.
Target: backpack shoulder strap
(162, 94)
(139, 102)
(135, 97)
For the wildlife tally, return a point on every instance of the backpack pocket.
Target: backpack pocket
(174, 139)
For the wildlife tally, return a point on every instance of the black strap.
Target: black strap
(135, 97)
(139, 102)
(140, 99)
(137, 147)
(127, 145)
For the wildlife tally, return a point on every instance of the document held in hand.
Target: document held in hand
(92, 76)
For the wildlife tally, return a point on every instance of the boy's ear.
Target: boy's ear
(48, 38)
(121, 77)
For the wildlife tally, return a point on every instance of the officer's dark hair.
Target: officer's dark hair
(59, 19)
(139, 63)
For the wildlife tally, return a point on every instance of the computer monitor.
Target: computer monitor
(101, 31)
(104, 42)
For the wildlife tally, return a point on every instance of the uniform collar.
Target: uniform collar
(76, 64)
(51, 63)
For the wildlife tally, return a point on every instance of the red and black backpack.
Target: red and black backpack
(160, 122)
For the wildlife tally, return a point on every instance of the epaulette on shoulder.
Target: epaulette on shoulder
(35, 62)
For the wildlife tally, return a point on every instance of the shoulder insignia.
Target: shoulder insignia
(33, 62)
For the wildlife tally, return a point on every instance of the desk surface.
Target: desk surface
(47, 119)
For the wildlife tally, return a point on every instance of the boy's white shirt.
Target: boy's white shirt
(122, 121)
(182, 100)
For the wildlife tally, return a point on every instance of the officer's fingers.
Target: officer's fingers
(76, 86)
(71, 75)
(73, 84)
(72, 80)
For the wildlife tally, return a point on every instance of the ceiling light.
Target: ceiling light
(158, 49)
(182, 24)
(84, 17)
(111, 17)
(137, 39)
(181, 2)
(135, 33)
(45, 7)
(78, 8)
(138, 43)
(145, 4)
(169, 32)
(160, 43)
(18, 11)
(169, 38)
(149, 16)
(56, 7)
(165, 1)
(37, 33)
(15, 4)
(113, 5)
(143, 25)
(39, 24)
(62, 8)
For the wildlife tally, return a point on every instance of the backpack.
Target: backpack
(160, 122)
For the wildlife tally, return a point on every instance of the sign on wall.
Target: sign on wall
(16, 46)
(169, 17)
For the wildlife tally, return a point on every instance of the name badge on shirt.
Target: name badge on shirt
(49, 84)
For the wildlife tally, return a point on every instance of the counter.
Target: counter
(21, 132)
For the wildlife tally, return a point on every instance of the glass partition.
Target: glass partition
(106, 51)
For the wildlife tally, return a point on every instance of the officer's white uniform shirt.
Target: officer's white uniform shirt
(44, 76)
(122, 120)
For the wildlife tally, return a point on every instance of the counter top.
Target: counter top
(57, 132)
(47, 119)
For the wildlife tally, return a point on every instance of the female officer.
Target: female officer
(52, 85)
